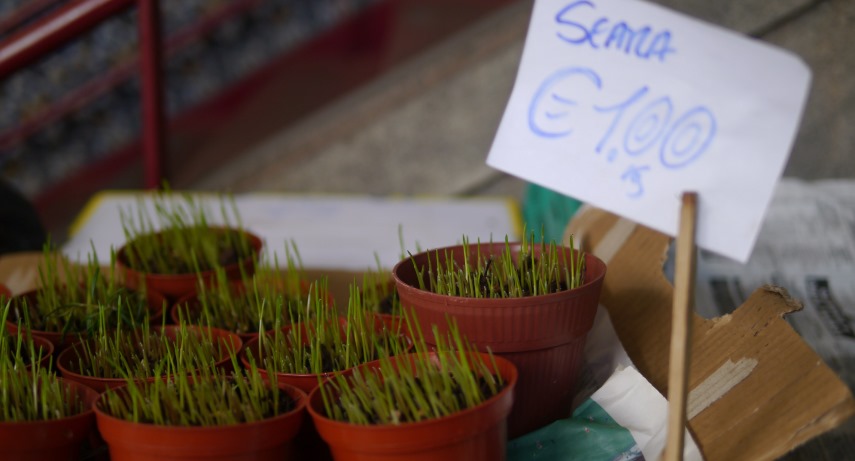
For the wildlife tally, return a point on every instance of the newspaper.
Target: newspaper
(807, 246)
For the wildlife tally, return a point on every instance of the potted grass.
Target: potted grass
(449, 403)
(210, 414)
(22, 348)
(178, 245)
(42, 417)
(319, 343)
(379, 294)
(530, 302)
(145, 354)
(262, 301)
(71, 298)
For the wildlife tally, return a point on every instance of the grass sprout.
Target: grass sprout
(210, 397)
(264, 301)
(147, 353)
(320, 341)
(414, 387)
(535, 269)
(33, 395)
(179, 238)
(72, 297)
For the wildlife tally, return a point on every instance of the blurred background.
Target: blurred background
(379, 97)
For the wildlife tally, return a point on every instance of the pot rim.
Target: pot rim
(598, 275)
(88, 411)
(298, 395)
(255, 242)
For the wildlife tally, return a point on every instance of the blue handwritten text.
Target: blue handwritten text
(605, 33)
(633, 126)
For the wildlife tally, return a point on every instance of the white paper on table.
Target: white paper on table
(330, 232)
(625, 105)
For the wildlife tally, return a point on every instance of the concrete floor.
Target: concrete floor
(425, 127)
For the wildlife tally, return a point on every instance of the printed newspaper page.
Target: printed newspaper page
(806, 245)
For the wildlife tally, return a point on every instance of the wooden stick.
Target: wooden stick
(681, 328)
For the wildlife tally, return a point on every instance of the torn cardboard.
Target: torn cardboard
(757, 389)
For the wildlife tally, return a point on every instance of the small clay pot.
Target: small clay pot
(51, 440)
(266, 440)
(479, 432)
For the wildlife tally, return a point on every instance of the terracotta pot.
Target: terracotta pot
(156, 304)
(174, 286)
(67, 362)
(478, 433)
(544, 336)
(266, 440)
(51, 440)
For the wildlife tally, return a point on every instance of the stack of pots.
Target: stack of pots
(544, 335)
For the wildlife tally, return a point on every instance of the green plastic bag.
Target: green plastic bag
(590, 435)
(548, 210)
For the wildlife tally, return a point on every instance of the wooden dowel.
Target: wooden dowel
(681, 328)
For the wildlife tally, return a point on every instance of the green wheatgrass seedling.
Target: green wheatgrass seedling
(179, 239)
(323, 344)
(35, 395)
(210, 397)
(146, 353)
(423, 389)
(531, 273)
(263, 301)
(313, 346)
(73, 297)
(367, 337)
(19, 348)
(378, 292)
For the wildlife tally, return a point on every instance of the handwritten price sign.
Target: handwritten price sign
(625, 105)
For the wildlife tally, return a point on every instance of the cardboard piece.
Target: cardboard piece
(757, 390)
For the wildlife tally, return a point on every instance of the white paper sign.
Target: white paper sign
(625, 105)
